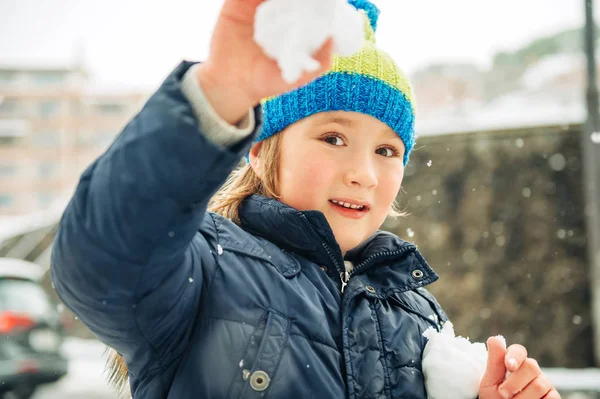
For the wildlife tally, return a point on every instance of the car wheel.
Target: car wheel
(20, 392)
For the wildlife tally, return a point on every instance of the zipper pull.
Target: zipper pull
(344, 276)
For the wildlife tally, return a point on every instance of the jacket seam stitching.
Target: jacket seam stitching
(284, 345)
(386, 376)
(314, 341)
(350, 364)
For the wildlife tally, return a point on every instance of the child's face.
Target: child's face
(342, 156)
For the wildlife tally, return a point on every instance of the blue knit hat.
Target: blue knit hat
(368, 82)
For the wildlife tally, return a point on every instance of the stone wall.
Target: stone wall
(499, 216)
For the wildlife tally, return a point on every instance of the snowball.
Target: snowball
(348, 30)
(291, 31)
(453, 366)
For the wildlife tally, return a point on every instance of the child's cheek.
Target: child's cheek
(317, 176)
(308, 184)
(388, 188)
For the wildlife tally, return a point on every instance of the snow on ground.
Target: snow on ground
(86, 377)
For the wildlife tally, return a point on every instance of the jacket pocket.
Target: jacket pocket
(261, 357)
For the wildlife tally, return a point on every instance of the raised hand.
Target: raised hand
(237, 74)
(511, 374)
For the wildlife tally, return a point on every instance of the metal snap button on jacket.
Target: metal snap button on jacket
(259, 380)
(417, 274)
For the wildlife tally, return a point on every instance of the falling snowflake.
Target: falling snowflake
(557, 162)
(410, 232)
(595, 137)
(430, 163)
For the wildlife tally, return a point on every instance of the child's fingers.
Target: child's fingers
(495, 370)
(553, 394)
(540, 387)
(529, 373)
(515, 356)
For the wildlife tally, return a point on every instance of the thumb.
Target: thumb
(495, 371)
(241, 10)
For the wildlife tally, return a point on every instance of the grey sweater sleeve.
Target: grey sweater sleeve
(211, 124)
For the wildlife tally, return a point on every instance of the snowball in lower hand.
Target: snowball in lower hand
(452, 366)
(291, 31)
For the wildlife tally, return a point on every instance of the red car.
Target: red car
(31, 331)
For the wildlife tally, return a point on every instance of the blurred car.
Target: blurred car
(31, 331)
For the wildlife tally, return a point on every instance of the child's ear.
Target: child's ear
(255, 160)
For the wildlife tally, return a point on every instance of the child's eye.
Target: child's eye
(334, 139)
(387, 152)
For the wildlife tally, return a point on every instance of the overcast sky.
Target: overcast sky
(137, 42)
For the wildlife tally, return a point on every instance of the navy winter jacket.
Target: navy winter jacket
(203, 308)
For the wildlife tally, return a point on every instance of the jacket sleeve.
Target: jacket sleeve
(128, 259)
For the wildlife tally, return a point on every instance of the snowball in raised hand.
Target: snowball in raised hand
(291, 31)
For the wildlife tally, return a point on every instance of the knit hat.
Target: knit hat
(368, 82)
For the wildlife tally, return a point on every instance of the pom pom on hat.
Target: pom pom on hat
(370, 8)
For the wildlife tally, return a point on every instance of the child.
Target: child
(287, 288)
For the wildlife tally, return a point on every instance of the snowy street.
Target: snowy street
(85, 378)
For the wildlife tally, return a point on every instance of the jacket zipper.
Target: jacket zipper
(329, 252)
(345, 276)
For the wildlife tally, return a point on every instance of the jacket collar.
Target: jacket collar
(309, 234)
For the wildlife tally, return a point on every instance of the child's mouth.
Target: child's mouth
(352, 210)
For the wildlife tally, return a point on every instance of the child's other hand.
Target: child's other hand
(526, 380)
(237, 74)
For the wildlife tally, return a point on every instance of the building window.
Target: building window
(47, 138)
(5, 200)
(49, 78)
(7, 76)
(47, 170)
(8, 170)
(8, 107)
(110, 108)
(48, 108)
(7, 140)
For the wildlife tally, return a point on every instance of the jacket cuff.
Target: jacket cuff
(211, 124)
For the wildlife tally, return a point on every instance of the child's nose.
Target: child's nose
(361, 174)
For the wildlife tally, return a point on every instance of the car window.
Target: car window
(23, 297)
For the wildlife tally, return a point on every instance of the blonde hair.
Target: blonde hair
(240, 184)
(117, 371)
